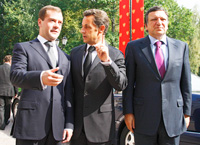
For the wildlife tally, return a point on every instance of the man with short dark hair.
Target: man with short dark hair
(7, 91)
(97, 68)
(42, 70)
(157, 100)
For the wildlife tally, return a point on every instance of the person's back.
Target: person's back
(5, 84)
(6, 92)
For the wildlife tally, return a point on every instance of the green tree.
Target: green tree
(18, 22)
(195, 44)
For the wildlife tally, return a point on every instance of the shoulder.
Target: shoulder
(114, 52)
(77, 48)
(138, 41)
(176, 42)
(24, 44)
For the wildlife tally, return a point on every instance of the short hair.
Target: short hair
(100, 18)
(153, 9)
(7, 58)
(43, 10)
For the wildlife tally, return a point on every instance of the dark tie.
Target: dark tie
(160, 59)
(51, 53)
(88, 61)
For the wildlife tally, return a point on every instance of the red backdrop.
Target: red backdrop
(137, 29)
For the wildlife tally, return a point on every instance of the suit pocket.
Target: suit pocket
(106, 108)
(27, 105)
(180, 102)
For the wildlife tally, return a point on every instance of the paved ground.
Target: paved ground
(5, 138)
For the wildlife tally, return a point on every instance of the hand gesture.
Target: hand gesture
(50, 78)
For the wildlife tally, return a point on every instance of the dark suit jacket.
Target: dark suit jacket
(6, 87)
(39, 109)
(94, 107)
(148, 96)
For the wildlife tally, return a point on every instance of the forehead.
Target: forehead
(88, 20)
(157, 14)
(53, 14)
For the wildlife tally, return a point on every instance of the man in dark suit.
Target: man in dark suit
(45, 111)
(93, 88)
(7, 91)
(157, 100)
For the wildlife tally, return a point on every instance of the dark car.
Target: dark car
(190, 137)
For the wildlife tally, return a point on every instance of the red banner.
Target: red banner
(137, 18)
(124, 26)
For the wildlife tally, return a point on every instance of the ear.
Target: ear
(146, 27)
(39, 22)
(102, 29)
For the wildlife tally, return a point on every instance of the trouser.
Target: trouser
(82, 140)
(48, 140)
(5, 107)
(160, 138)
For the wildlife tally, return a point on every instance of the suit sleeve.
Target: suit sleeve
(69, 121)
(19, 75)
(186, 83)
(128, 93)
(116, 72)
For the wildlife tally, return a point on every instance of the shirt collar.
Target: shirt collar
(7, 63)
(153, 40)
(43, 40)
(88, 45)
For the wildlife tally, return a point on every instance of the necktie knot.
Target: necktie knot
(158, 44)
(91, 49)
(49, 44)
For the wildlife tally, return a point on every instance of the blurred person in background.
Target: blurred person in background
(7, 92)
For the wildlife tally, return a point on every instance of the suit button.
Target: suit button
(86, 93)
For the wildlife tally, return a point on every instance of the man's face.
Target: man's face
(157, 24)
(51, 26)
(90, 32)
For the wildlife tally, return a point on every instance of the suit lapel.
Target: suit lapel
(146, 49)
(171, 49)
(35, 44)
(59, 56)
(79, 59)
(95, 63)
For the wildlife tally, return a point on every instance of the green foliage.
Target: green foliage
(195, 44)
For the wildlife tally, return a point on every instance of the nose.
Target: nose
(159, 21)
(82, 30)
(56, 25)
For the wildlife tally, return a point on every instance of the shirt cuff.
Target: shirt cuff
(69, 129)
(43, 86)
(107, 63)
